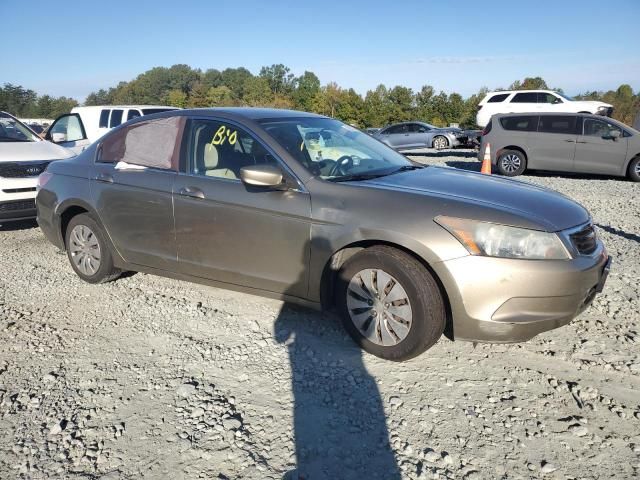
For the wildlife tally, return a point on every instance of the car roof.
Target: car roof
(252, 113)
(94, 107)
(522, 91)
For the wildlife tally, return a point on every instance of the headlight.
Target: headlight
(493, 240)
(602, 107)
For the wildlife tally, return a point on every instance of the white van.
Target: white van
(535, 101)
(84, 125)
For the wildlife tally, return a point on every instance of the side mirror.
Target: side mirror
(556, 101)
(262, 176)
(58, 137)
(422, 130)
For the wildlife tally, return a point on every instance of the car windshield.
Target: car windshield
(334, 151)
(11, 130)
(566, 97)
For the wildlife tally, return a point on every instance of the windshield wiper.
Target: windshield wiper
(357, 177)
(9, 139)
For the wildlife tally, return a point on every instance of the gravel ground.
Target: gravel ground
(156, 378)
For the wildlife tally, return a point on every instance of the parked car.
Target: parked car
(84, 125)
(562, 142)
(636, 122)
(231, 197)
(23, 156)
(371, 130)
(538, 101)
(407, 135)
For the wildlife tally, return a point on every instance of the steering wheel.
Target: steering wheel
(343, 164)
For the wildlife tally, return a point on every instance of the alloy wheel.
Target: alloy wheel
(379, 307)
(439, 143)
(85, 250)
(510, 163)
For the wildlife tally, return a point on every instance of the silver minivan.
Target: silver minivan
(566, 142)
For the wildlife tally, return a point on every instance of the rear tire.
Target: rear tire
(634, 169)
(390, 303)
(88, 251)
(440, 142)
(511, 163)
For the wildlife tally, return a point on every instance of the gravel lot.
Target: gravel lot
(156, 378)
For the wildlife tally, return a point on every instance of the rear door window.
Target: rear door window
(544, 97)
(104, 118)
(116, 118)
(133, 113)
(524, 123)
(525, 97)
(599, 128)
(558, 124)
(501, 97)
(153, 144)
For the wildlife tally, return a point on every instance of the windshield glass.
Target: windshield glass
(11, 130)
(149, 111)
(334, 151)
(566, 97)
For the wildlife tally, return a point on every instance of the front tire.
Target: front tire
(511, 163)
(88, 251)
(634, 169)
(440, 142)
(390, 303)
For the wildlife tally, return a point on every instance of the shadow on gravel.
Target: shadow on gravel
(621, 233)
(340, 426)
(473, 166)
(21, 225)
(440, 153)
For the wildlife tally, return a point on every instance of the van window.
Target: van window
(501, 97)
(116, 118)
(524, 123)
(526, 97)
(104, 118)
(557, 124)
(133, 113)
(149, 111)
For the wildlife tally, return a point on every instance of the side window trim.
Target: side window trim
(185, 150)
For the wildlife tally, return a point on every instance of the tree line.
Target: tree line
(275, 86)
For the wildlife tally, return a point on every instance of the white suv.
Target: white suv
(23, 156)
(533, 101)
(84, 125)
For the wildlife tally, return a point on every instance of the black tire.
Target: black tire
(633, 172)
(105, 271)
(440, 138)
(511, 163)
(428, 314)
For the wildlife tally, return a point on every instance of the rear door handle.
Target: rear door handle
(571, 141)
(192, 192)
(104, 177)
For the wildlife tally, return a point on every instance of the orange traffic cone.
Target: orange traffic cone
(486, 161)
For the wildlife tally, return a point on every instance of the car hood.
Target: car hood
(32, 151)
(549, 210)
(594, 103)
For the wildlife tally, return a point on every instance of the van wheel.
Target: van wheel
(88, 252)
(634, 169)
(511, 163)
(390, 303)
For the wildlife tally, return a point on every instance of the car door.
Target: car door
(418, 135)
(230, 232)
(523, 102)
(132, 185)
(68, 131)
(553, 145)
(598, 149)
(396, 136)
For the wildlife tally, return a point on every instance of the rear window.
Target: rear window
(104, 118)
(524, 123)
(527, 97)
(116, 118)
(501, 97)
(557, 124)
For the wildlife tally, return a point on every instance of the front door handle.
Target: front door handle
(104, 177)
(571, 141)
(192, 192)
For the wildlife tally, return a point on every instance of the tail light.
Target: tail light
(43, 179)
(487, 129)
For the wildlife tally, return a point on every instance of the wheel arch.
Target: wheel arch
(340, 256)
(512, 147)
(627, 165)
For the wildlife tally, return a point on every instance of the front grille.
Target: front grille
(585, 240)
(22, 169)
(18, 205)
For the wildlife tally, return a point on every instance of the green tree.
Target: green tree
(234, 79)
(176, 98)
(530, 83)
(257, 92)
(307, 87)
(279, 77)
(220, 96)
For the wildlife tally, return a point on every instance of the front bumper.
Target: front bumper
(17, 198)
(504, 300)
